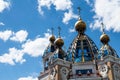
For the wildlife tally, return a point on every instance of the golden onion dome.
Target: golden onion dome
(52, 38)
(80, 26)
(104, 38)
(59, 42)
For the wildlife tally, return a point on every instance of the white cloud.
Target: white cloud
(14, 56)
(72, 30)
(68, 16)
(4, 5)
(28, 78)
(33, 48)
(41, 3)
(32, 76)
(107, 11)
(2, 24)
(36, 47)
(60, 5)
(19, 36)
(5, 35)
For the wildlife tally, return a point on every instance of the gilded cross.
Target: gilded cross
(52, 30)
(59, 29)
(103, 28)
(79, 9)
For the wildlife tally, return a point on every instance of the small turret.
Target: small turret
(59, 43)
(106, 49)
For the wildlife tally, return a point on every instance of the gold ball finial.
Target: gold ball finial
(104, 38)
(52, 38)
(80, 26)
(59, 42)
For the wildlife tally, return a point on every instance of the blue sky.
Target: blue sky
(25, 30)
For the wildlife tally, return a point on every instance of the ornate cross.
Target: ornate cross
(59, 29)
(103, 28)
(52, 30)
(79, 9)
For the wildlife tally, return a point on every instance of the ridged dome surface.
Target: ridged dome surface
(50, 48)
(82, 49)
(108, 50)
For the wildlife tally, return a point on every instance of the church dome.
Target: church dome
(80, 26)
(52, 38)
(51, 47)
(104, 38)
(82, 49)
(59, 42)
(108, 50)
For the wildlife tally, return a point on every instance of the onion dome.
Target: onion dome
(52, 38)
(104, 38)
(80, 26)
(59, 42)
(82, 49)
(106, 49)
(51, 47)
(59, 53)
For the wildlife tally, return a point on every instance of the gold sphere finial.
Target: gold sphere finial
(52, 38)
(80, 26)
(59, 42)
(104, 38)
